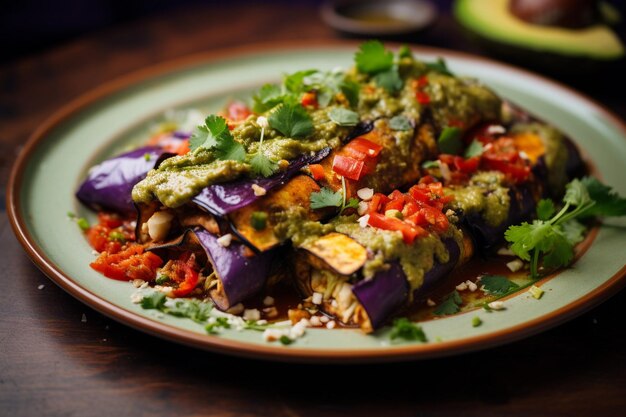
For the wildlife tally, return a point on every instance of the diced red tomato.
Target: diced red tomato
(502, 155)
(238, 111)
(361, 148)
(409, 232)
(377, 201)
(183, 271)
(310, 100)
(348, 167)
(422, 97)
(109, 220)
(422, 81)
(317, 171)
(131, 263)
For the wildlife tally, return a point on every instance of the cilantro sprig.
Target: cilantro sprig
(373, 59)
(329, 198)
(215, 135)
(405, 329)
(551, 238)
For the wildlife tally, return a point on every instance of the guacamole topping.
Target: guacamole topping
(452, 100)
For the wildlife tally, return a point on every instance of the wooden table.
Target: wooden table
(54, 363)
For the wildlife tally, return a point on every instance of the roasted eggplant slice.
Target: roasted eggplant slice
(109, 184)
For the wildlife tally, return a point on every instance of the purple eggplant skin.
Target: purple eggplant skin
(109, 184)
(221, 199)
(241, 276)
(388, 291)
(487, 238)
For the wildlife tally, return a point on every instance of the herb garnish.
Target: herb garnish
(400, 122)
(214, 134)
(329, 198)
(403, 328)
(343, 117)
(195, 310)
(219, 323)
(450, 304)
(439, 66)
(292, 120)
(372, 58)
(474, 149)
(497, 284)
(260, 164)
(553, 238)
(450, 140)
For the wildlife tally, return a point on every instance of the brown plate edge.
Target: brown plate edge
(271, 352)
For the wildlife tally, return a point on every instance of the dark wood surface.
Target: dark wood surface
(52, 363)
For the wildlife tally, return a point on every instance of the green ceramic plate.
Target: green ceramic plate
(119, 114)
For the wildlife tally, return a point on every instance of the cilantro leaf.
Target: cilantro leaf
(573, 231)
(214, 134)
(350, 89)
(449, 305)
(400, 122)
(195, 310)
(343, 117)
(389, 80)
(576, 193)
(545, 209)
(558, 250)
(372, 58)
(475, 148)
(449, 140)
(291, 120)
(439, 66)
(497, 284)
(268, 97)
(220, 322)
(608, 202)
(261, 165)
(296, 82)
(403, 328)
(351, 203)
(154, 300)
(206, 136)
(326, 198)
(524, 238)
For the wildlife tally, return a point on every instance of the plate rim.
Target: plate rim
(270, 352)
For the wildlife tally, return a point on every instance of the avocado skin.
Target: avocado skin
(532, 56)
(551, 63)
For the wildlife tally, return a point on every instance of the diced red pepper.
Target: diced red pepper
(377, 201)
(348, 167)
(131, 263)
(310, 100)
(409, 232)
(317, 171)
(238, 111)
(184, 272)
(361, 148)
(422, 97)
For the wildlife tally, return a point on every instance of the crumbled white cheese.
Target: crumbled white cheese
(496, 130)
(251, 314)
(272, 335)
(262, 121)
(270, 312)
(225, 240)
(471, 286)
(496, 305)
(138, 283)
(362, 208)
(317, 298)
(461, 287)
(159, 225)
(505, 251)
(365, 194)
(268, 301)
(258, 190)
(324, 319)
(40, 287)
(315, 321)
(430, 303)
(331, 324)
(515, 265)
(363, 221)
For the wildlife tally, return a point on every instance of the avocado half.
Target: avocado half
(492, 21)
